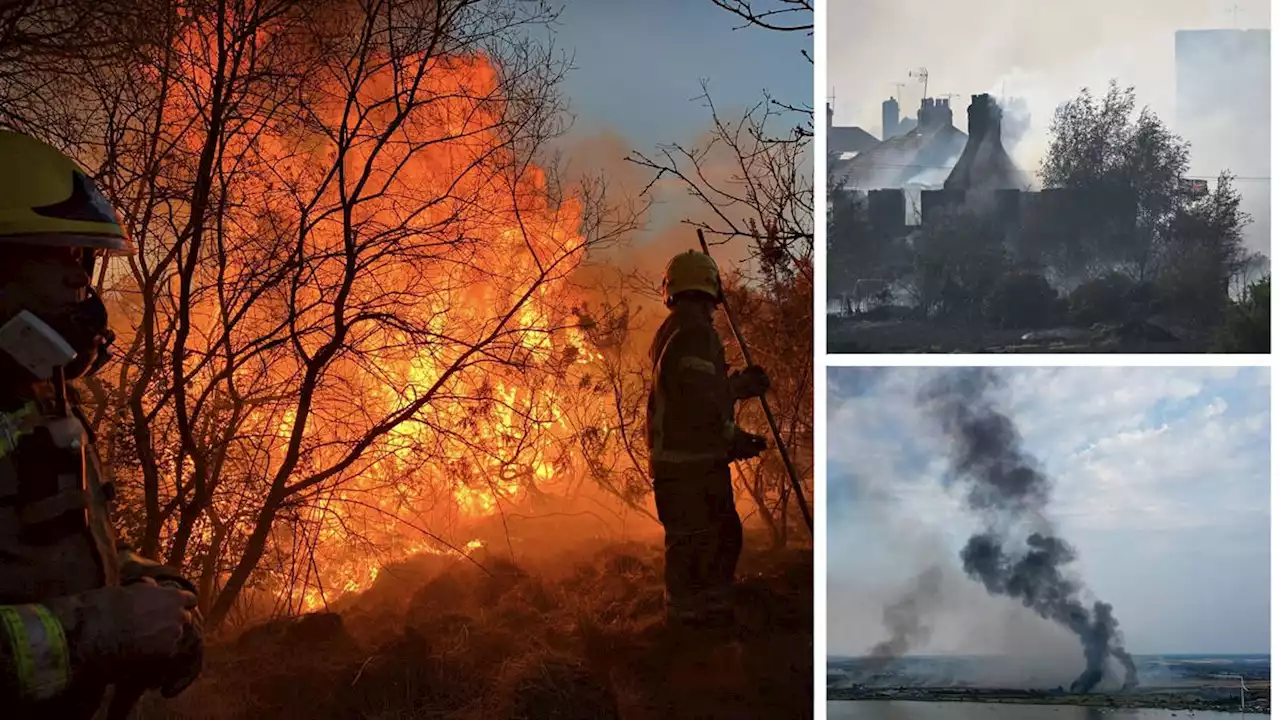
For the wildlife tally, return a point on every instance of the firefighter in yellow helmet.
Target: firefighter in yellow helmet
(78, 610)
(692, 438)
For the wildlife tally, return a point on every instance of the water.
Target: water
(903, 710)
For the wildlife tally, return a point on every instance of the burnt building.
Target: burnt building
(918, 157)
(977, 175)
(984, 165)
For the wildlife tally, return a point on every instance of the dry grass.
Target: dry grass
(447, 641)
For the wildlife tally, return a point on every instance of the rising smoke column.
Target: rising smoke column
(1008, 488)
(906, 620)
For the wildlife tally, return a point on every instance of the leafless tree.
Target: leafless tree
(776, 15)
(753, 181)
(351, 304)
(46, 46)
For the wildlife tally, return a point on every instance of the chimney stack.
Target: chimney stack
(984, 119)
(889, 118)
(984, 164)
(935, 113)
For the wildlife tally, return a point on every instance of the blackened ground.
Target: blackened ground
(589, 642)
(848, 335)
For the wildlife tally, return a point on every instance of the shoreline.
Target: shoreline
(1205, 698)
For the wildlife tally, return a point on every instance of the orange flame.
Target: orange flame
(495, 426)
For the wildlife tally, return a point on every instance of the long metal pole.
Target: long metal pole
(768, 413)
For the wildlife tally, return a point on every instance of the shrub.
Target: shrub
(1248, 325)
(1023, 300)
(1114, 298)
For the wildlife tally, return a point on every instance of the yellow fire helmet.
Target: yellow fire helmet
(47, 199)
(691, 270)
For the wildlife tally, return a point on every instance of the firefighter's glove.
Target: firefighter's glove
(750, 382)
(746, 445)
(177, 673)
(189, 660)
(120, 633)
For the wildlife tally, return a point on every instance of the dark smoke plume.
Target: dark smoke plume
(987, 454)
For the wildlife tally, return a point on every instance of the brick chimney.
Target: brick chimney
(889, 114)
(984, 164)
(924, 119)
(935, 113)
(984, 119)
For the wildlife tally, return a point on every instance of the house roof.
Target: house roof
(903, 160)
(849, 139)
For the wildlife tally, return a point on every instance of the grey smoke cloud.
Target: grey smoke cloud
(1008, 487)
(1037, 54)
(907, 619)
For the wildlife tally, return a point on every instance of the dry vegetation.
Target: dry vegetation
(439, 638)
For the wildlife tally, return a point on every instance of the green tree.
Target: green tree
(1203, 251)
(1128, 169)
(1119, 202)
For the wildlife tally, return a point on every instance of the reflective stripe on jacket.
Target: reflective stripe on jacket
(33, 652)
(690, 411)
(73, 552)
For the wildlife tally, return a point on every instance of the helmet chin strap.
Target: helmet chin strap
(90, 336)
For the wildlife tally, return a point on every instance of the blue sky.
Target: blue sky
(638, 66)
(1161, 481)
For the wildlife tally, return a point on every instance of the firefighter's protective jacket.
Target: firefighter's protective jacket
(56, 541)
(690, 412)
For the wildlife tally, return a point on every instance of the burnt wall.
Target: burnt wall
(887, 210)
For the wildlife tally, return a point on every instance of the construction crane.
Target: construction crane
(900, 86)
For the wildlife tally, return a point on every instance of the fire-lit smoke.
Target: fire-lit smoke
(1008, 489)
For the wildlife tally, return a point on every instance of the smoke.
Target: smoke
(1043, 53)
(1016, 122)
(906, 618)
(1010, 491)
